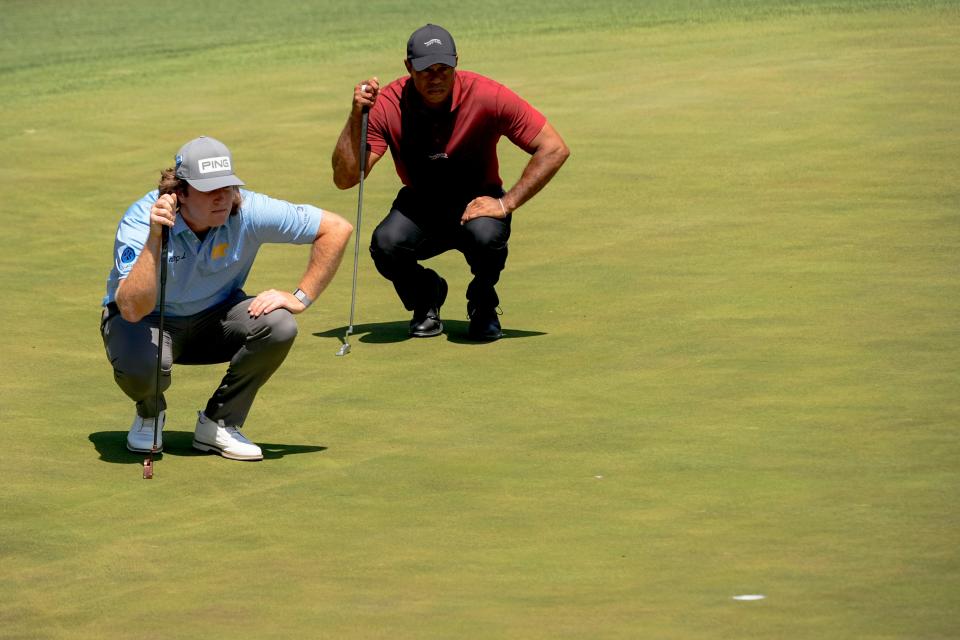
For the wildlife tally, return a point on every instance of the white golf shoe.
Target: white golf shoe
(140, 437)
(213, 435)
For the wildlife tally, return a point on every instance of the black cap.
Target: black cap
(430, 45)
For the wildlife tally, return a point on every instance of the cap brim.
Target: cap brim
(419, 64)
(209, 184)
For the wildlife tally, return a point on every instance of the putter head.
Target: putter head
(148, 468)
(344, 349)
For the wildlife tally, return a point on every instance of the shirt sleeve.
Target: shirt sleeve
(378, 122)
(518, 120)
(375, 128)
(278, 221)
(132, 234)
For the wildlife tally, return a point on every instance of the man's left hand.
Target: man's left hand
(271, 299)
(484, 206)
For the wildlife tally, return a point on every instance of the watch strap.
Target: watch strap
(302, 297)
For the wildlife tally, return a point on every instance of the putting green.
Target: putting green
(730, 368)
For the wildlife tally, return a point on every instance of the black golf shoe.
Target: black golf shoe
(426, 322)
(484, 324)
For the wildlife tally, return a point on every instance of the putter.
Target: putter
(345, 347)
(148, 462)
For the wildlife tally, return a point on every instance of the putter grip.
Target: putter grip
(363, 140)
(164, 237)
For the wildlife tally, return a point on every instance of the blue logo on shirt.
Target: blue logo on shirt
(128, 255)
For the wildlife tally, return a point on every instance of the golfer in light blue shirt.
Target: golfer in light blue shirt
(216, 229)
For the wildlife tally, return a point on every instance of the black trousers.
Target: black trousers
(404, 238)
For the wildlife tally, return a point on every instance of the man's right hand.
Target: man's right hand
(365, 94)
(163, 213)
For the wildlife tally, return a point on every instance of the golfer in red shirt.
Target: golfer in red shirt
(442, 127)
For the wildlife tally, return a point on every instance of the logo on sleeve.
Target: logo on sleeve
(127, 255)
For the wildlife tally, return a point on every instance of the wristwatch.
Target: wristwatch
(302, 297)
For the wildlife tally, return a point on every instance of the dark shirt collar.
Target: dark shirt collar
(412, 98)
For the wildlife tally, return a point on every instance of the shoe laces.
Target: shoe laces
(422, 314)
(231, 431)
(472, 311)
(146, 424)
(236, 433)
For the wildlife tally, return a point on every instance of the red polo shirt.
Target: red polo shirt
(451, 154)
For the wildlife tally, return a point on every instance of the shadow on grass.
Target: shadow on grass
(390, 332)
(112, 447)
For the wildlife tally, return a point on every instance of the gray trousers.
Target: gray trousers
(254, 347)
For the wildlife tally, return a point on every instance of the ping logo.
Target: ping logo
(430, 43)
(127, 255)
(219, 251)
(209, 165)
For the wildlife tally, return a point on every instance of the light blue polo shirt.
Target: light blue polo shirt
(203, 274)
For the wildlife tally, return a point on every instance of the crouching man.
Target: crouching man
(215, 230)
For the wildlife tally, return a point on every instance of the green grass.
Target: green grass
(732, 354)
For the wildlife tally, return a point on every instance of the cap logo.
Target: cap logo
(432, 42)
(209, 165)
(179, 160)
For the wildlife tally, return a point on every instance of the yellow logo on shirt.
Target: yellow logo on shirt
(219, 251)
